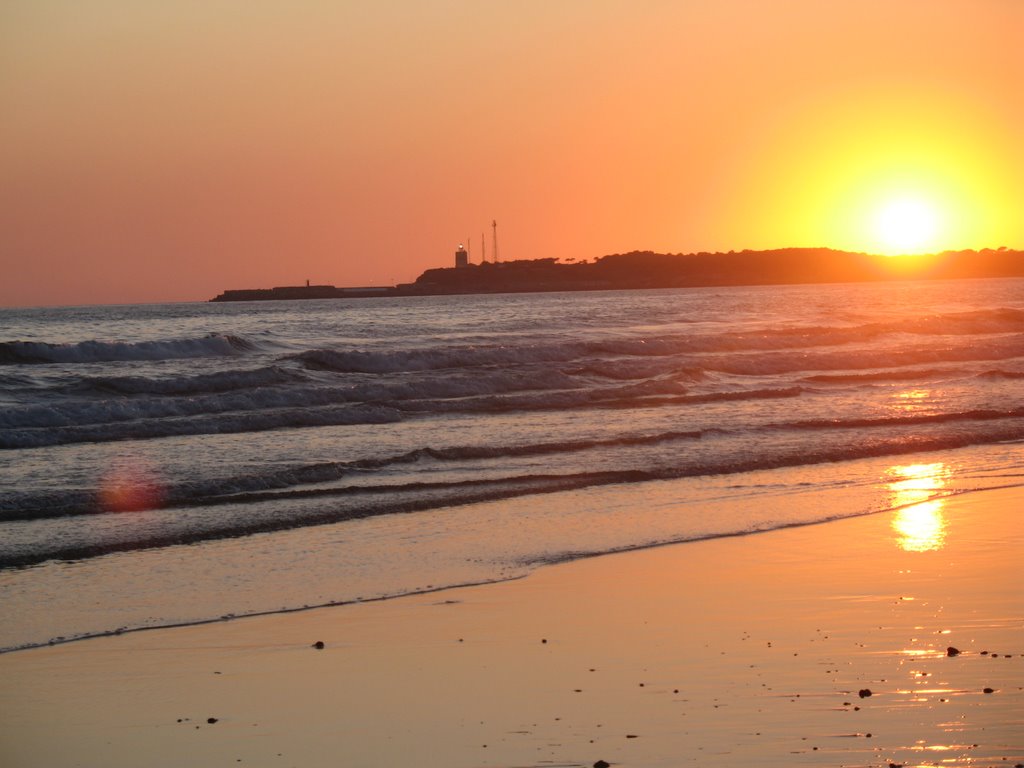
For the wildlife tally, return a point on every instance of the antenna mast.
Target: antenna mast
(494, 227)
(483, 249)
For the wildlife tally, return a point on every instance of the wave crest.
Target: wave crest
(41, 352)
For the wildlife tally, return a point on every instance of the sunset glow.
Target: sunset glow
(907, 225)
(156, 152)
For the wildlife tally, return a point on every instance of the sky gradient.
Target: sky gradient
(167, 151)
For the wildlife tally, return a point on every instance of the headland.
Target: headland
(646, 269)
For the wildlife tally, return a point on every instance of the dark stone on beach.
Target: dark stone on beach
(951, 651)
(864, 692)
(989, 690)
(319, 645)
(602, 764)
(211, 720)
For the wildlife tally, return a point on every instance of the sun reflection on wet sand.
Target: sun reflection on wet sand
(921, 528)
(918, 521)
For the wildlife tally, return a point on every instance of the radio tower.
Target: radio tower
(494, 227)
(483, 249)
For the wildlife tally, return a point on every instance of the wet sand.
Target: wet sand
(821, 645)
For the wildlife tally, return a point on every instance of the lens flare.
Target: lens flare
(131, 486)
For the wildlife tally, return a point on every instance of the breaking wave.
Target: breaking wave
(38, 352)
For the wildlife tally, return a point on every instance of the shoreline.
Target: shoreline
(743, 649)
(843, 504)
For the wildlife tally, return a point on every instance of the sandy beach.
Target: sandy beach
(819, 645)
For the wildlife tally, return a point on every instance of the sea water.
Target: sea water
(179, 463)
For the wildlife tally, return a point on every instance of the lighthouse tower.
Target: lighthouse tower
(461, 257)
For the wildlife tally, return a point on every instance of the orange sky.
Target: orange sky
(166, 151)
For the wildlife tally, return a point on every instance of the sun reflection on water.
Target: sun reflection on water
(912, 399)
(918, 521)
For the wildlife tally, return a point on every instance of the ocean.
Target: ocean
(181, 463)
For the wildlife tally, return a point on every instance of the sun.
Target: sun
(907, 225)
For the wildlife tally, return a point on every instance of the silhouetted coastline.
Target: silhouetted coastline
(646, 269)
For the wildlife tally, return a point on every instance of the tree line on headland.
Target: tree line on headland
(646, 269)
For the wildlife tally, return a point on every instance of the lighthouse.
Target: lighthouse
(461, 257)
